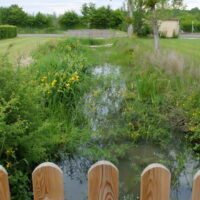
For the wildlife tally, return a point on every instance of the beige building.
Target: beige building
(169, 28)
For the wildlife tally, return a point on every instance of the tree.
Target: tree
(152, 4)
(101, 18)
(140, 16)
(69, 20)
(117, 18)
(130, 17)
(177, 3)
(41, 20)
(13, 15)
(87, 12)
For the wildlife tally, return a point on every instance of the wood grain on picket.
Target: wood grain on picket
(155, 183)
(4, 185)
(196, 187)
(103, 181)
(48, 182)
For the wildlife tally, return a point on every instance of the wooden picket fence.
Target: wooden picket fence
(103, 183)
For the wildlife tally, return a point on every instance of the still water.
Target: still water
(103, 101)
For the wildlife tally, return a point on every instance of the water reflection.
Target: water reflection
(102, 107)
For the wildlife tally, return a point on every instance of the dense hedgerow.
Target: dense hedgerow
(7, 31)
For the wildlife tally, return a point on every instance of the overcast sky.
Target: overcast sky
(60, 6)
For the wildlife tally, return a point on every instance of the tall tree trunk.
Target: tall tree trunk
(130, 16)
(155, 29)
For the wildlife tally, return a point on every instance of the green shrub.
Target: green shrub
(7, 31)
(41, 103)
(186, 26)
(69, 20)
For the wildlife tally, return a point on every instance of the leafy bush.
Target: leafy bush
(38, 104)
(186, 26)
(69, 20)
(7, 31)
(101, 18)
(42, 20)
(13, 15)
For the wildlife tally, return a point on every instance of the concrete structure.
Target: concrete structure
(169, 28)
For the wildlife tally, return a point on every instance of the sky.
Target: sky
(60, 6)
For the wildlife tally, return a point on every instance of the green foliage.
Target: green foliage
(7, 31)
(103, 17)
(87, 11)
(141, 22)
(69, 20)
(41, 21)
(186, 26)
(13, 15)
(190, 105)
(39, 103)
(117, 19)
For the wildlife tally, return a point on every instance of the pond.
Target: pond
(102, 108)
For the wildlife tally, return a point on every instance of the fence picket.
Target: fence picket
(155, 183)
(103, 181)
(4, 185)
(196, 187)
(48, 182)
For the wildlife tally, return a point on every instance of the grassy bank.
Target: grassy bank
(39, 110)
(20, 48)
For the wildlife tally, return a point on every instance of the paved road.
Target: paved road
(190, 35)
(42, 35)
(93, 34)
(90, 33)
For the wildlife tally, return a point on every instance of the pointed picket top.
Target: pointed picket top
(4, 185)
(48, 182)
(103, 181)
(196, 187)
(155, 183)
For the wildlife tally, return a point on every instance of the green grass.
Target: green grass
(121, 51)
(20, 47)
(164, 87)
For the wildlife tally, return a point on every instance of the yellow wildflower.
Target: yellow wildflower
(8, 164)
(44, 78)
(77, 77)
(192, 128)
(54, 83)
(67, 85)
(9, 152)
(72, 78)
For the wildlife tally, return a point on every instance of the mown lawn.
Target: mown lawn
(17, 48)
(188, 47)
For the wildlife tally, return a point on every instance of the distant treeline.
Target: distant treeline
(92, 17)
(101, 18)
